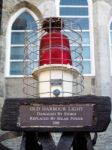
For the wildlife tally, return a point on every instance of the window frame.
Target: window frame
(90, 18)
(8, 39)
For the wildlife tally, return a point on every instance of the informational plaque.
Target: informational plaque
(56, 116)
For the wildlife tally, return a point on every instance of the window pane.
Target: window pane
(73, 2)
(85, 37)
(82, 22)
(17, 52)
(31, 53)
(20, 24)
(73, 35)
(87, 67)
(31, 37)
(76, 52)
(16, 68)
(86, 52)
(23, 22)
(29, 66)
(73, 11)
(17, 37)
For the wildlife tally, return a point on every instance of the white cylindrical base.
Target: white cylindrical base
(55, 80)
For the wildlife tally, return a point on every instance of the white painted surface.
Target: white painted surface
(47, 73)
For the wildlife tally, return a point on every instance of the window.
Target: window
(20, 25)
(111, 45)
(78, 10)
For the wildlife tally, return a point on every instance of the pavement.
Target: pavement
(104, 141)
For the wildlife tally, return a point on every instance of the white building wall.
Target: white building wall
(102, 53)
